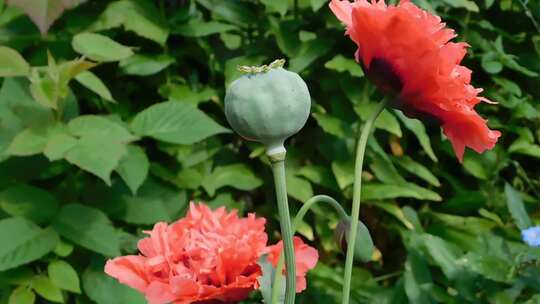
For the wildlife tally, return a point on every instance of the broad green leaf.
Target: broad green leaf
(138, 16)
(442, 253)
(144, 65)
(516, 207)
(317, 4)
(333, 125)
(238, 176)
(344, 173)
(420, 131)
(97, 155)
(24, 242)
(385, 191)
(28, 142)
(47, 289)
(488, 265)
(342, 64)
(12, 63)
(176, 123)
(237, 12)
(63, 249)
(133, 167)
(22, 295)
(153, 203)
(186, 94)
(30, 202)
(418, 282)
(280, 6)
(93, 83)
(58, 145)
(103, 289)
(100, 48)
(309, 52)
(88, 227)
(44, 12)
(385, 121)
(64, 276)
(100, 126)
(417, 169)
(199, 28)
(524, 147)
(297, 187)
(319, 175)
(466, 4)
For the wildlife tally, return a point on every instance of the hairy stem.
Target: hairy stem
(357, 190)
(278, 168)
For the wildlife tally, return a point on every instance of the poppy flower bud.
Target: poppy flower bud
(268, 104)
(364, 247)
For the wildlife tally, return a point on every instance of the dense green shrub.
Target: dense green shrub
(90, 160)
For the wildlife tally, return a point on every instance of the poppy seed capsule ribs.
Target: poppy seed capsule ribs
(268, 106)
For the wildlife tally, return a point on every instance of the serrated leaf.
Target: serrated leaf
(176, 123)
(144, 65)
(138, 16)
(30, 202)
(44, 12)
(99, 126)
(47, 289)
(88, 227)
(64, 276)
(133, 167)
(93, 83)
(238, 176)
(22, 295)
(12, 63)
(100, 48)
(24, 242)
(516, 207)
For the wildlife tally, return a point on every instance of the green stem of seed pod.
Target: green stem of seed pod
(297, 220)
(278, 169)
(357, 190)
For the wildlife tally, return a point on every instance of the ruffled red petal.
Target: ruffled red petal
(413, 46)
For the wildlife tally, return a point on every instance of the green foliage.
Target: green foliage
(95, 149)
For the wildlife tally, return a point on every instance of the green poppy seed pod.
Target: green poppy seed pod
(268, 104)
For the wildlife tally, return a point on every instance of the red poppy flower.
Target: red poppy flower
(206, 257)
(407, 51)
(209, 256)
(306, 259)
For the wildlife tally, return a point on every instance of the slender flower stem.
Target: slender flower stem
(278, 168)
(357, 190)
(297, 219)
